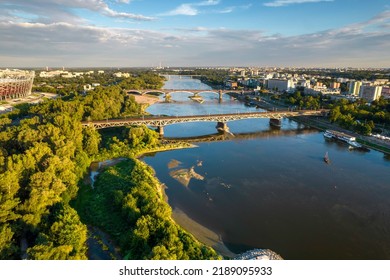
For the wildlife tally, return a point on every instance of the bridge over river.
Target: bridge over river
(221, 119)
(195, 92)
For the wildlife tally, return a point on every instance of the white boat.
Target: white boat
(339, 135)
(328, 135)
(350, 140)
(354, 144)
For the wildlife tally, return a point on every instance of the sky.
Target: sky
(197, 33)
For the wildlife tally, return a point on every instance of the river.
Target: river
(271, 189)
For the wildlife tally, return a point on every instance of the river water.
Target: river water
(271, 189)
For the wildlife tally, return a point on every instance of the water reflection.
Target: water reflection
(272, 132)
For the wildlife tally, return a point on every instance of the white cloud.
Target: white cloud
(190, 9)
(208, 3)
(280, 3)
(111, 13)
(70, 44)
(183, 9)
(227, 10)
(62, 10)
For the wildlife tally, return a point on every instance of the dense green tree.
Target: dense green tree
(131, 107)
(142, 136)
(359, 116)
(8, 248)
(9, 187)
(45, 152)
(91, 141)
(335, 114)
(64, 238)
(44, 190)
(4, 121)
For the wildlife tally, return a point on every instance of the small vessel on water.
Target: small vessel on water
(326, 158)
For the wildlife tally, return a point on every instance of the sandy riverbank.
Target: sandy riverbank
(201, 233)
(146, 99)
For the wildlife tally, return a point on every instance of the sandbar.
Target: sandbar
(201, 233)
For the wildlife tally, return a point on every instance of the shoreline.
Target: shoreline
(172, 147)
(201, 233)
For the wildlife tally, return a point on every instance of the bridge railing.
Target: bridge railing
(216, 117)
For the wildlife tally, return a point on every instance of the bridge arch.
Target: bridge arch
(132, 91)
(155, 91)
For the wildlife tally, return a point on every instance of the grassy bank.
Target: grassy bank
(374, 146)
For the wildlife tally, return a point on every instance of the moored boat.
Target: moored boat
(339, 135)
(349, 139)
(328, 135)
(354, 144)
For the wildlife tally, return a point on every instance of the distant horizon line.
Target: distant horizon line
(191, 67)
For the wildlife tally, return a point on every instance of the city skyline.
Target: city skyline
(145, 33)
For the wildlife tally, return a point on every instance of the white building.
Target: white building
(281, 85)
(120, 75)
(50, 74)
(331, 91)
(354, 88)
(370, 93)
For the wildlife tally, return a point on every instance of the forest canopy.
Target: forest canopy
(45, 153)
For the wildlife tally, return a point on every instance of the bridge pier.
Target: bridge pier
(220, 93)
(160, 130)
(222, 127)
(276, 122)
